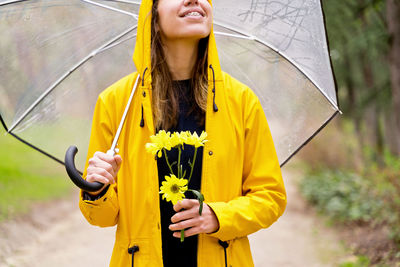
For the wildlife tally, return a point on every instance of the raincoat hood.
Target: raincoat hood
(142, 53)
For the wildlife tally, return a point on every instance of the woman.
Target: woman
(182, 88)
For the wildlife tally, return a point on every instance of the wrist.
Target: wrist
(92, 196)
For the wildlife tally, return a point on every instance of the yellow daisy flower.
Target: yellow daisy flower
(202, 139)
(162, 139)
(177, 139)
(153, 149)
(195, 140)
(173, 188)
(158, 142)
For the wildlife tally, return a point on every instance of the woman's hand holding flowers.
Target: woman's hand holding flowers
(174, 187)
(188, 217)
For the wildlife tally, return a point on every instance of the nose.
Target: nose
(190, 2)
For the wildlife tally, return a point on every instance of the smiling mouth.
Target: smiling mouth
(193, 14)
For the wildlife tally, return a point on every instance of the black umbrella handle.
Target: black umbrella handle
(74, 174)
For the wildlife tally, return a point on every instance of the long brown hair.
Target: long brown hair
(165, 101)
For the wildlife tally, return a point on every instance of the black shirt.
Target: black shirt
(175, 252)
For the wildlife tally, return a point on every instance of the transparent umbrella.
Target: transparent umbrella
(58, 55)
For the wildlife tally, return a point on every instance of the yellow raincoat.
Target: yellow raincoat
(241, 177)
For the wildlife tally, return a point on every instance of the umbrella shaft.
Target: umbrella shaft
(121, 124)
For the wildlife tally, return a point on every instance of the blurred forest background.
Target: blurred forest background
(352, 168)
(353, 174)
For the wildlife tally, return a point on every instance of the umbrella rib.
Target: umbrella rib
(93, 3)
(282, 54)
(12, 2)
(247, 37)
(36, 148)
(125, 1)
(116, 43)
(3, 123)
(311, 137)
(122, 1)
(65, 75)
(111, 8)
(330, 59)
(39, 150)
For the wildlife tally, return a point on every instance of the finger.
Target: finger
(185, 215)
(107, 158)
(104, 165)
(97, 178)
(184, 224)
(185, 204)
(97, 158)
(102, 172)
(189, 232)
(118, 161)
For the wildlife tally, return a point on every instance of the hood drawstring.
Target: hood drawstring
(142, 119)
(132, 251)
(225, 245)
(215, 108)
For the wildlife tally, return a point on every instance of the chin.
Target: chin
(197, 33)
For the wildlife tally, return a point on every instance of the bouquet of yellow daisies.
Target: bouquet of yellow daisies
(175, 185)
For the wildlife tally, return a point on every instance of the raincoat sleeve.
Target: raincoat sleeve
(104, 210)
(263, 198)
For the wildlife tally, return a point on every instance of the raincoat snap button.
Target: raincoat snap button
(144, 94)
(210, 153)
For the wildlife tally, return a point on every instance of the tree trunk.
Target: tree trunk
(373, 127)
(393, 22)
(353, 111)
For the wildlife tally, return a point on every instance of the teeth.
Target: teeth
(195, 14)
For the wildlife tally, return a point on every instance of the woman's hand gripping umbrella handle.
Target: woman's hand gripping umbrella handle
(75, 176)
(73, 173)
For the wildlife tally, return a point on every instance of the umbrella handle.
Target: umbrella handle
(73, 173)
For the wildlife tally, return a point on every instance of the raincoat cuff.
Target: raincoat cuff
(219, 209)
(102, 212)
(87, 198)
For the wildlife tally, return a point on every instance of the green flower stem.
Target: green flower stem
(166, 158)
(179, 163)
(182, 235)
(200, 198)
(192, 165)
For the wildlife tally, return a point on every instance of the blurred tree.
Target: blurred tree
(358, 34)
(393, 23)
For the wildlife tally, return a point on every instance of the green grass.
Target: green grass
(362, 261)
(27, 177)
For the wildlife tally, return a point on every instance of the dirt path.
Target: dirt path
(58, 235)
(299, 238)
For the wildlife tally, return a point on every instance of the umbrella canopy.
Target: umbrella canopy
(58, 55)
